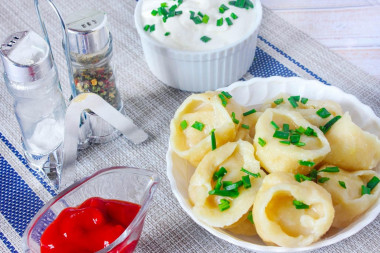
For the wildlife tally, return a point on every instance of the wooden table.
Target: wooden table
(350, 28)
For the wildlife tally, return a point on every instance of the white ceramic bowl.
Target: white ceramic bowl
(199, 71)
(254, 92)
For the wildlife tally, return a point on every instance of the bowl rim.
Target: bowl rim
(366, 218)
(148, 195)
(143, 35)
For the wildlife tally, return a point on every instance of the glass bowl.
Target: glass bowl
(120, 183)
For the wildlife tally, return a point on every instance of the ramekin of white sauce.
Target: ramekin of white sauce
(198, 45)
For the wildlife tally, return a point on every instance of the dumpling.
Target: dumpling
(351, 147)
(346, 191)
(243, 226)
(280, 154)
(247, 133)
(291, 214)
(307, 109)
(207, 112)
(232, 156)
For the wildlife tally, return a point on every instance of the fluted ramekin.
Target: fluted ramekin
(199, 71)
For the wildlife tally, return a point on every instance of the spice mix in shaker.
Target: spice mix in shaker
(31, 78)
(90, 44)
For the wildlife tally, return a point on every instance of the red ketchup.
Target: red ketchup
(90, 227)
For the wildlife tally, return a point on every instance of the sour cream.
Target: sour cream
(185, 34)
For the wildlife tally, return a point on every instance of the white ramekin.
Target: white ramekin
(199, 71)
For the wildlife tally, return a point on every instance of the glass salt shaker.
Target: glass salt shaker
(31, 78)
(93, 71)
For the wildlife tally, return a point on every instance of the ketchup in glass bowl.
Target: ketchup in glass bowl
(102, 213)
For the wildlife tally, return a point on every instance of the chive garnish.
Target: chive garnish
(343, 184)
(197, 20)
(296, 98)
(167, 33)
(300, 205)
(323, 179)
(223, 8)
(293, 101)
(226, 94)
(223, 98)
(146, 27)
(310, 132)
(329, 124)
(245, 126)
(164, 4)
(219, 173)
(236, 121)
(205, 19)
(373, 182)
(306, 163)
(246, 181)
(249, 112)
(278, 101)
(205, 39)
(250, 217)
(313, 173)
(213, 140)
(219, 22)
(224, 205)
(256, 175)
(218, 184)
(226, 183)
(323, 113)
(285, 142)
(198, 125)
(274, 125)
(234, 186)
(224, 193)
(365, 190)
(301, 130)
(295, 138)
(262, 142)
(200, 14)
(281, 135)
(330, 169)
(229, 21)
(285, 127)
(183, 124)
(300, 178)
(300, 144)
(152, 28)
(154, 12)
(304, 100)
(234, 16)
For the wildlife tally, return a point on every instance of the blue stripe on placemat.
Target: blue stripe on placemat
(7, 243)
(22, 159)
(18, 202)
(264, 65)
(293, 60)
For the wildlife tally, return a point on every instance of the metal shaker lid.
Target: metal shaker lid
(26, 57)
(87, 31)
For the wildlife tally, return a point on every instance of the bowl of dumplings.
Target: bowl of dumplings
(276, 164)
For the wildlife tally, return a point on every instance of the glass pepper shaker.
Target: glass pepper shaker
(93, 71)
(31, 78)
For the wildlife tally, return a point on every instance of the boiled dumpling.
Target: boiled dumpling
(297, 157)
(346, 191)
(243, 226)
(232, 156)
(207, 112)
(351, 147)
(291, 214)
(246, 131)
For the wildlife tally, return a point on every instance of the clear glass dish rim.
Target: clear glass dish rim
(136, 221)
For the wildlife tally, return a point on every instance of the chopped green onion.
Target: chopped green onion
(167, 33)
(274, 125)
(245, 126)
(234, 186)
(343, 184)
(234, 16)
(323, 179)
(330, 169)
(296, 98)
(224, 205)
(224, 193)
(219, 173)
(281, 135)
(229, 21)
(246, 182)
(292, 101)
(306, 163)
(205, 19)
(300, 205)
(226, 94)
(200, 14)
(249, 112)
(213, 140)
(310, 132)
(197, 20)
(219, 22)
(285, 142)
(218, 184)
(301, 130)
(192, 14)
(240, 3)
(285, 127)
(164, 4)
(365, 190)
(223, 8)
(250, 217)
(236, 121)
(300, 178)
(226, 183)
(256, 175)
(300, 144)
(295, 138)
(183, 124)
(205, 39)
(223, 98)
(329, 124)
(262, 142)
(313, 173)
(146, 27)
(278, 101)
(178, 13)
(323, 113)
(152, 28)
(180, 2)
(198, 125)
(154, 12)
(304, 100)
(373, 182)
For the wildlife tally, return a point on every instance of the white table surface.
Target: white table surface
(350, 28)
